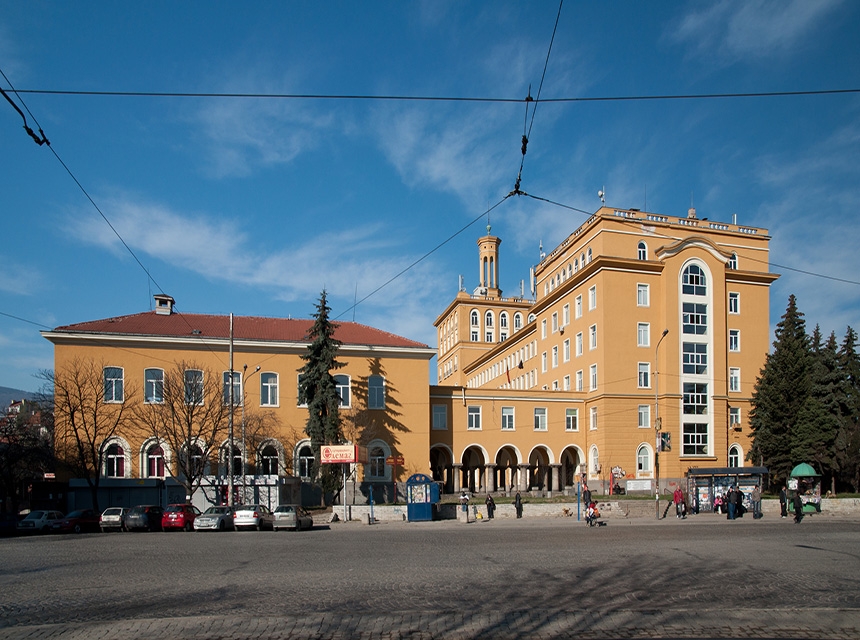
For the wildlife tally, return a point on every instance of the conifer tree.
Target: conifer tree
(848, 400)
(780, 393)
(318, 391)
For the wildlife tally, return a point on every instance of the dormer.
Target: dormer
(163, 304)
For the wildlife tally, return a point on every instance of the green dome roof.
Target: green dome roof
(803, 470)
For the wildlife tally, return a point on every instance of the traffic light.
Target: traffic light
(665, 441)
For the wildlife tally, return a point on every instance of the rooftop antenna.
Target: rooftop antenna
(542, 254)
(602, 195)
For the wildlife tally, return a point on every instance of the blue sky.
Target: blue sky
(253, 206)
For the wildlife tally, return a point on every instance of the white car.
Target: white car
(215, 519)
(253, 516)
(292, 516)
(113, 518)
(39, 521)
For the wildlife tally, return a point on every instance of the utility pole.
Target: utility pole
(230, 500)
(657, 424)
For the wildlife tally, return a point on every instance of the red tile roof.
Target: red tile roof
(244, 328)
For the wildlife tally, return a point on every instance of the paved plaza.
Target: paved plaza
(704, 577)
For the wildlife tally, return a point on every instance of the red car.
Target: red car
(179, 516)
(77, 522)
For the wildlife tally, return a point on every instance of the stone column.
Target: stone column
(456, 469)
(523, 477)
(491, 478)
(556, 477)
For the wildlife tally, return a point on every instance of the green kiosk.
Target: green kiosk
(805, 481)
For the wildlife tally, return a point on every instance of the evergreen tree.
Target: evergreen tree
(848, 401)
(780, 393)
(318, 391)
(813, 438)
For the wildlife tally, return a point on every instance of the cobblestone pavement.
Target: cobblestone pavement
(703, 577)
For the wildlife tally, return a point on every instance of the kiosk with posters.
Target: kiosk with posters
(422, 492)
(804, 481)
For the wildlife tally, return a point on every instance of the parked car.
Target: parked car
(39, 521)
(179, 516)
(113, 518)
(253, 516)
(292, 516)
(215, 518)
(77, 522)
(144, 516)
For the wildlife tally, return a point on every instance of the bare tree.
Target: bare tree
(189, 415)
(26, 450)
(90, 408)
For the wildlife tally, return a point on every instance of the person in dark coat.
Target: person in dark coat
(783, 502)
(731, 503)
(586, 495)
(797, 503)
(491, 507)
(518, 505)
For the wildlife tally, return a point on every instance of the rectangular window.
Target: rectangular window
(695, 439)
(555, 356)
(593, 419)
(695, 358)
(113, 383)
(592, 337)
(695, 318)
(488, 336)
(571, 419)
(237, 389)
(193, 386)
(577, 303)
(734, 340)
(644, 375)
(565, 315)
(734, 303)
(555, 322)
(579, 380)
(567, 383)
(540, 419)
(735, 418)
(543, 328)
(376, 392)
(153, 386)
(566, 350)
(440, 417)
(643, 299)
(543, 362)
(643, 334)
(507, 418)
(644, 416)
(593, 377)
(579, 344)
(341, 385)
(474, 414)
(734, 379)
(268, 389)
(474, 335)
(695, 399)
(592, 298)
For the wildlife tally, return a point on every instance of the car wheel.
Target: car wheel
(220, 525)
(259, 527)
(77, 528)
(188, 526)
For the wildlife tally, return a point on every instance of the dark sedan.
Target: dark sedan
(144, 517)
(77, 522)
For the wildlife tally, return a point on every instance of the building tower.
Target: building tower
(488, 257)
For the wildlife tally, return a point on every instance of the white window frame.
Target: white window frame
(375, 393)
(592, 337)
(555, 357)
(643, 295)
(116, 393)
(592, 297)
(473, 416)
(338, 385)
(269, 380)
(565, 353)
(734, 379)
(734, 303)
(735, 340)
(540, 419)
(643, 377)
(508, 419)
(198, 385)
(577, 306)
(644, 416)
(592, 419)
(579, 344)
(155, 395)
(643, 334)
(592, 378)
(571, 419)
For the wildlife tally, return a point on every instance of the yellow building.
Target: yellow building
(383, 386)
(633, 317)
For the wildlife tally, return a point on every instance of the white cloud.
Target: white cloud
(751, 29)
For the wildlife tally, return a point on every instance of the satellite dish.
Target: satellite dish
(602, 195)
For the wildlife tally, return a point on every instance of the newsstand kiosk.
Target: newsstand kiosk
(804, 481)
(422, 493)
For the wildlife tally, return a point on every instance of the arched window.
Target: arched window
(518, 321)
(735, 456)
(488, 319)
(306, 462)
(237, 458)
(194, 461)
(733, 262)
(695, 283)
(643, 459)
(642, 251)
(532, 317)
(581, 260)
(269, 460)
(489, 333)
(569, 270)
(588, 254)
(115, 462)
(155, 461)
(341, 383)
(377, 463)
(474, 318)
(594, 462)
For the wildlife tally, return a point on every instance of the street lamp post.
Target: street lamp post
(244, 450)
(657, 423)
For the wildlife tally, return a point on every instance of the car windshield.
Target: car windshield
(215, 511)
(175, 507)
(138, 510)
(112, 512)
(284, 509)
(35, 515)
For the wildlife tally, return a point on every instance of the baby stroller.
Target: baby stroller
(591, 515)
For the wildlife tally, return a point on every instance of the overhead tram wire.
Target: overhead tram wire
(422, 258)
(382, 97)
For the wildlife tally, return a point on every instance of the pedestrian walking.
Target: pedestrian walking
(491, 507)
(783, 502)
(518, 505)
(586, 495)
(678, 499)
(730, 502)
(797, 503)
(755, 497)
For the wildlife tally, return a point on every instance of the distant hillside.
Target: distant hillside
(7, 395)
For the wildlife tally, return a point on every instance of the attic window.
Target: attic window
(196, 332)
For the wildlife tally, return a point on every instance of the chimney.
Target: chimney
(691, 213)
(163, 304)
